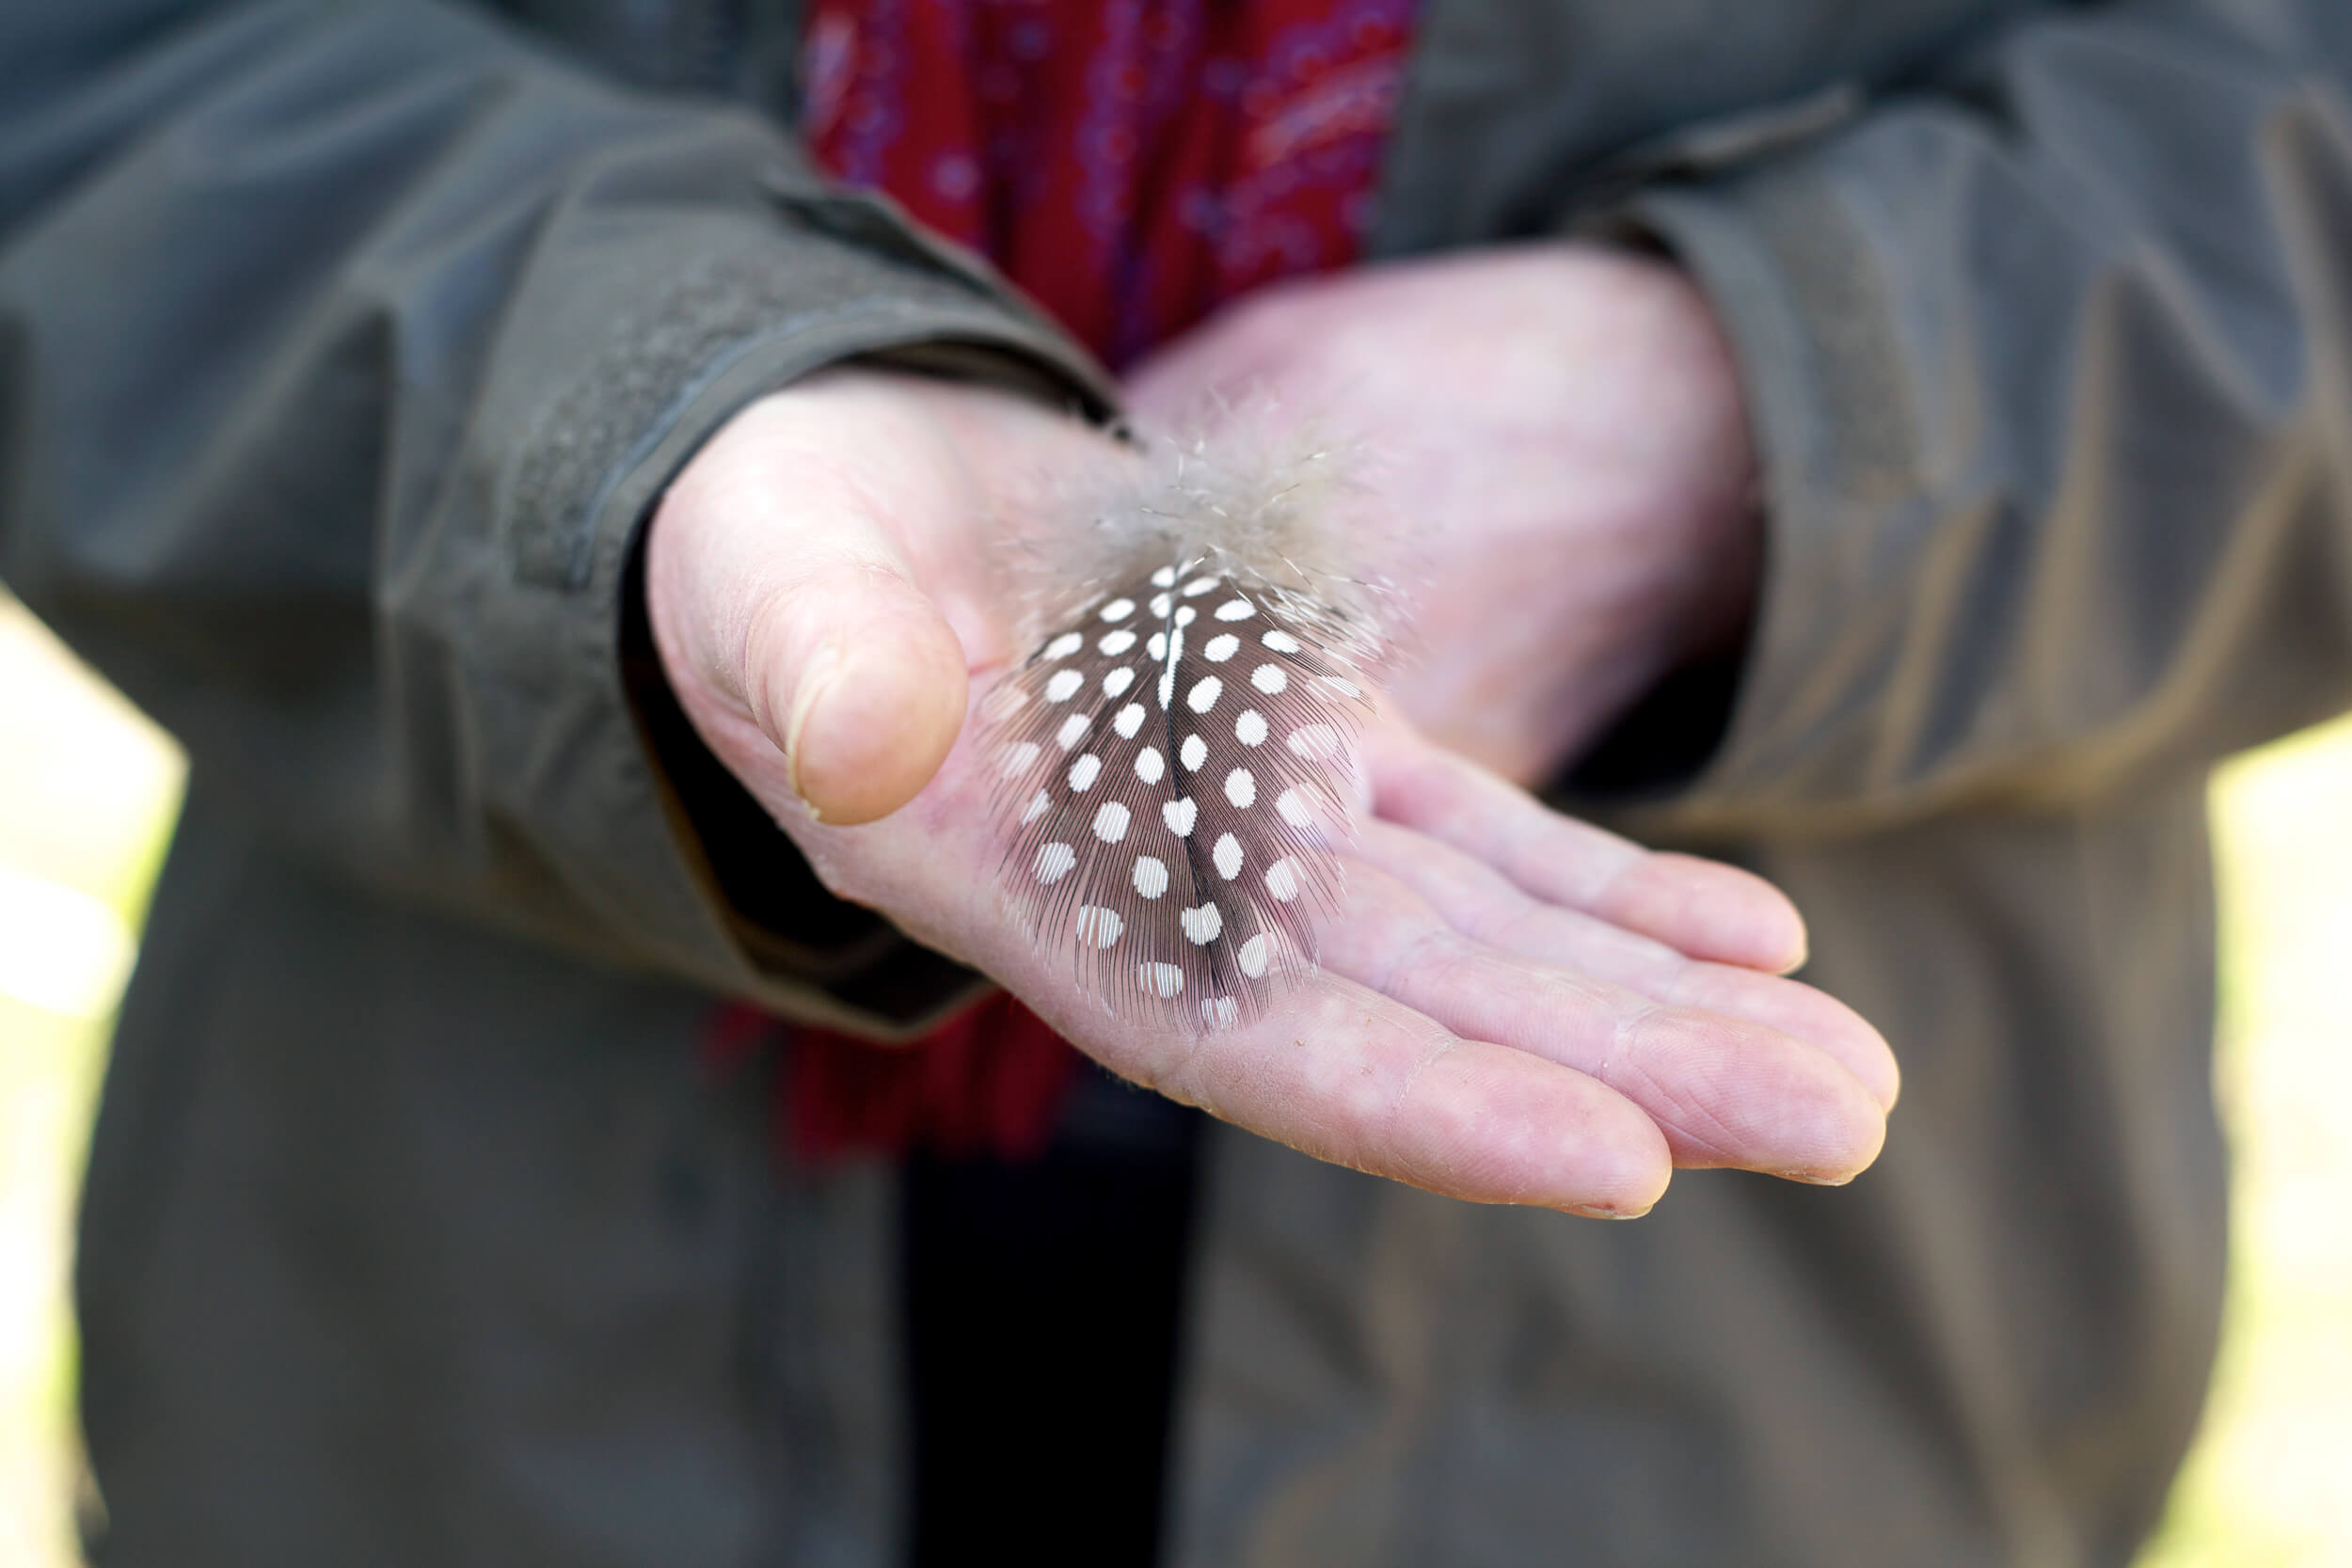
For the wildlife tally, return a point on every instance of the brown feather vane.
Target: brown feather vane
(1177, 756)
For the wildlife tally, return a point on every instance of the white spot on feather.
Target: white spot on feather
(1270, 679)
(1227, 856)
(1148, 765)
(1150, 876)
(1099, 927)
(1118, 609)
(1221, 648)
(1254, 956)
(1193, 752)
(1084, 771)
(1130, 720)
(1235, 609)
(1204, 694)
(1162, 980)
(1054, 862)
(1280, 642)
(1063, 646)
(1202, 925)
(1249, 729)
(1241, 788)
(1110, 823)
(1074, 729)
(1180, 814)
(1281, 880)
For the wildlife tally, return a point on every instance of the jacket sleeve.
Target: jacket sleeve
(342, 349)
(2050, 361)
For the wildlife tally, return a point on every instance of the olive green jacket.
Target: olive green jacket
(342, 349)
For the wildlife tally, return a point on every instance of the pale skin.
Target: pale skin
(1513, 1006)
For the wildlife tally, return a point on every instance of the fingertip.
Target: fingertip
(1826, 1023)
(1715, 911)
(1634, 1194)
(1816, 1121)
(873, 715)
(1872, 1061)
(1848, 1133)
(1620, 1166)
(1733, 1091)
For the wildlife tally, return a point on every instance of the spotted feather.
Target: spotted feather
(1176, 760)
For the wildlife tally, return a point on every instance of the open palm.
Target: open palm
(1511, 1007)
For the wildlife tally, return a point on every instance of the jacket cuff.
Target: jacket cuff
(1786, 266)
(687, 871)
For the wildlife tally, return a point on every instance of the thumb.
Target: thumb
(857, 679)
(785, 609)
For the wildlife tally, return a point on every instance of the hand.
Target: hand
(1512, 1006)
(1561, 428)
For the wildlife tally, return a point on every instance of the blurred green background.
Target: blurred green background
(87, 792)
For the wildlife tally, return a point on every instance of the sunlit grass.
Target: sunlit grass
(2270, 1484)
(87, 792)
(48, 1073)
(87, 788)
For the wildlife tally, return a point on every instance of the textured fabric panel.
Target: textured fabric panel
(402, 1245)
(2061, 479)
